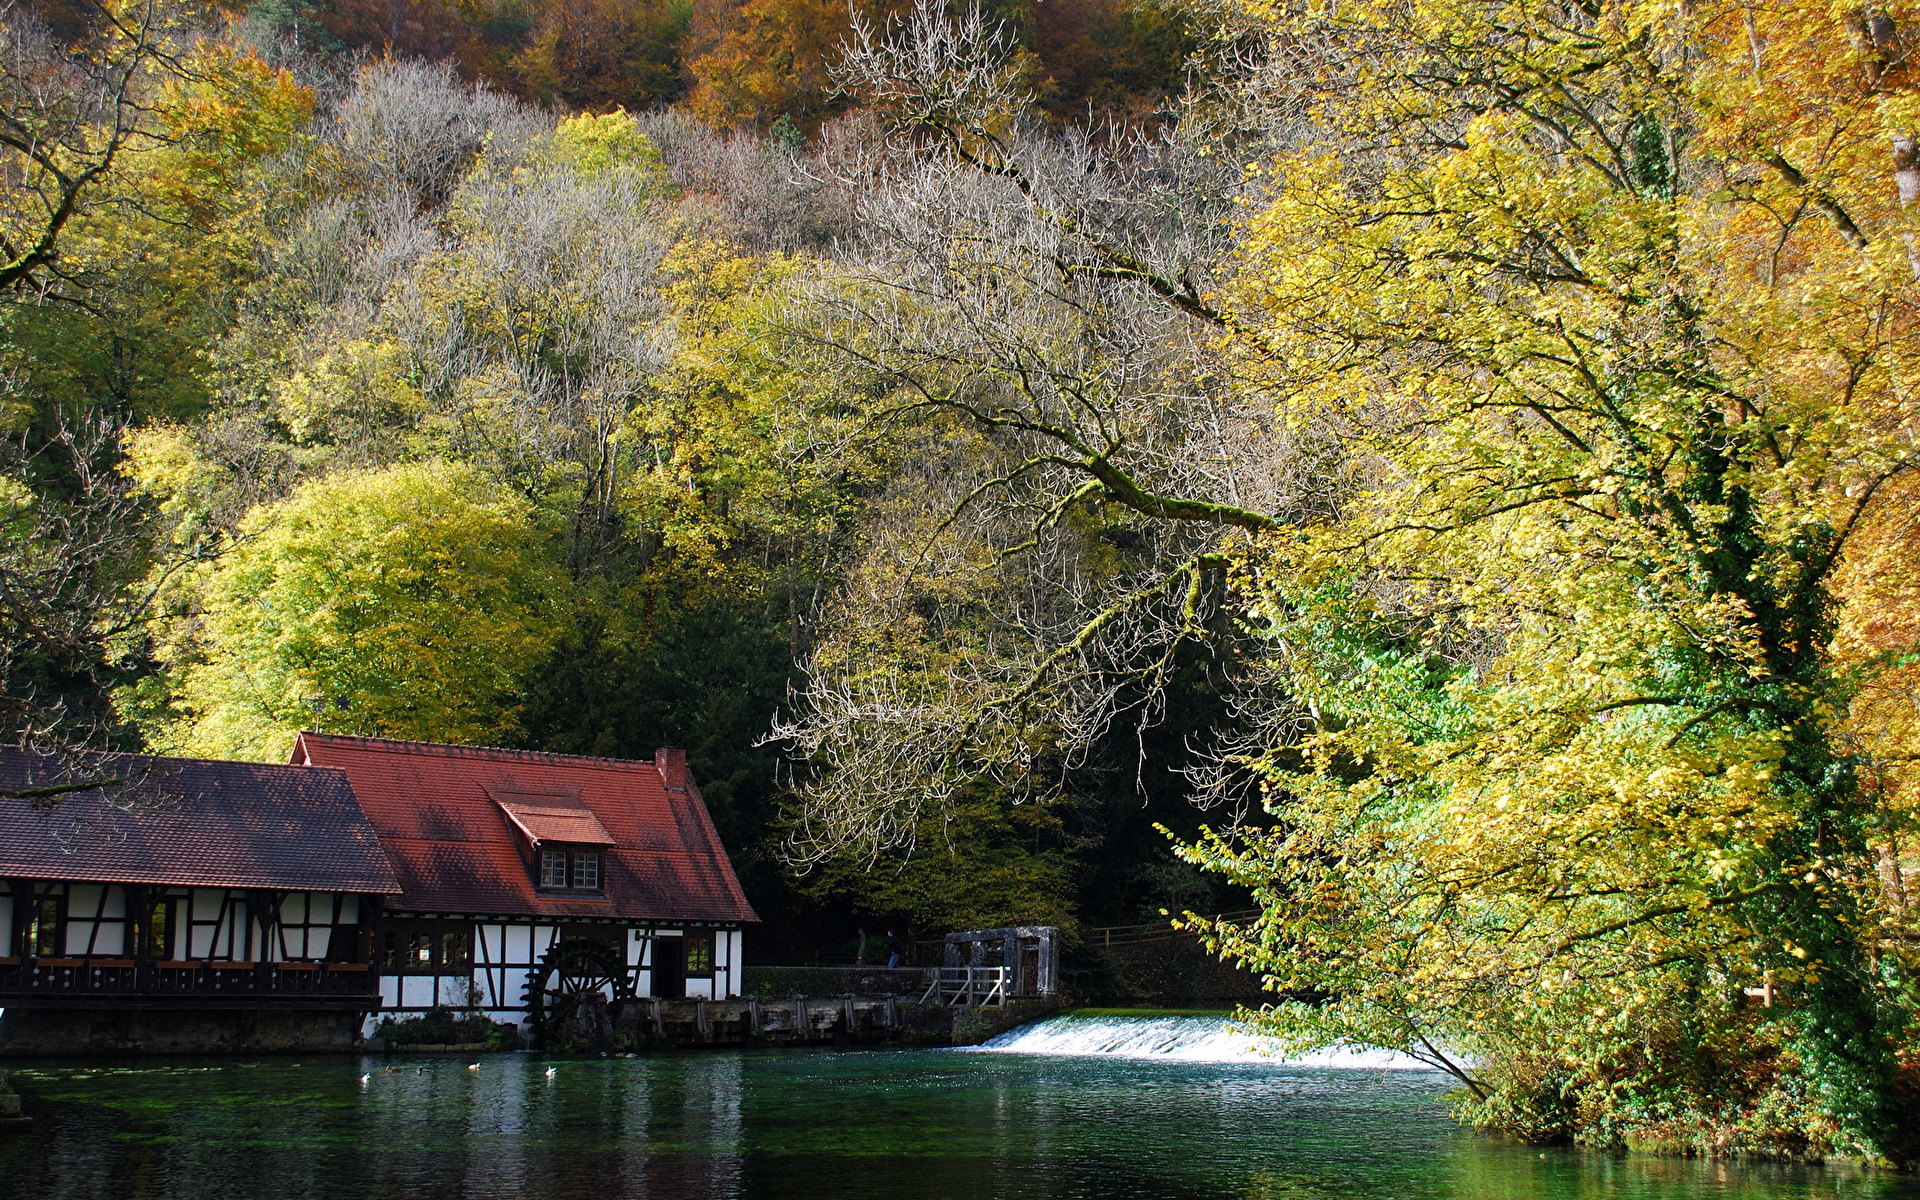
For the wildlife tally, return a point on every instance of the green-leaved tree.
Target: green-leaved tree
(405, 602)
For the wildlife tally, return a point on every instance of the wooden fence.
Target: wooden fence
(1109, 936)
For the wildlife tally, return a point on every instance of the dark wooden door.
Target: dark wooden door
(669, 968)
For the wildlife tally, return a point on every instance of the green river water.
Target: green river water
(898, 1124)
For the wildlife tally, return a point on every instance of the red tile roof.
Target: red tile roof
(437, 811)
(553, 818)
(189, 821)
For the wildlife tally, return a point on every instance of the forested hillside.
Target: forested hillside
(1462, 453)
(742, 64)
(355, 394)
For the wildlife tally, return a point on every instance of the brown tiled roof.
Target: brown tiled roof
(189, 821)
(456, 851)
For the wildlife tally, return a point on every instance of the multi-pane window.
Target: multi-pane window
(456, 948)
(570, 870)
(157, 934)
(427, 949)
(699, 953)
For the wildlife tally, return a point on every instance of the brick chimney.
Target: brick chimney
(672, 764)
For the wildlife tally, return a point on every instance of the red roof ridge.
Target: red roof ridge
(450, 750)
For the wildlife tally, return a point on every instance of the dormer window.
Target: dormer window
(570, 869)
(566, 839)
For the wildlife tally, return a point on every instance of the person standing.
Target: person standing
(895, 950)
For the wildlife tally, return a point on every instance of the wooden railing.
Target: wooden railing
(1108, 936)
(107, 979)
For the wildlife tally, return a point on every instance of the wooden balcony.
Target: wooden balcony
(127, 983)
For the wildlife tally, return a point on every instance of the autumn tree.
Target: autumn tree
(68, 115)
(400, 29)
(142, 158)
(1610, 311)
(406, 602)
(761, 60)
(73, 562)
(1091, 62)
(603, 54)
(1113, 60)
(140, 143)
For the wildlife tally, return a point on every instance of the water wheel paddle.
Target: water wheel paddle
(569, 973)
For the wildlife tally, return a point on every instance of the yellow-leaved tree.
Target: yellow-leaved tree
(1605, 312)
(409, 601)
(145, 155)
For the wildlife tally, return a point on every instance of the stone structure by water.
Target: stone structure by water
(12, 1120)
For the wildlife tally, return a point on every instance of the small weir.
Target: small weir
(1173, 1037)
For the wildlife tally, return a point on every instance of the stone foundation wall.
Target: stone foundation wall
(12, 1120)
(40, 1031)
(631, 1026)
(972, 1026)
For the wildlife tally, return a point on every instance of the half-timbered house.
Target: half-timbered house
(184, 904)
(530, 879)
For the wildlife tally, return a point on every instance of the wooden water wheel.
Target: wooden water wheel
(570, 974)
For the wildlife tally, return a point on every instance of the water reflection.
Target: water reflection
(905, 1125)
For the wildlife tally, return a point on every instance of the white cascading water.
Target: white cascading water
(1196, 1038)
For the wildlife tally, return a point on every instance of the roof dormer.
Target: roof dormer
(565, 838)
(552, 817)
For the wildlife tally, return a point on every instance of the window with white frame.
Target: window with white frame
(586, 871)
(570, 869)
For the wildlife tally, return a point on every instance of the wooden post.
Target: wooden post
(134, 897)
(16, 921)
(265, 906)
(373, 912)
(139, 910)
